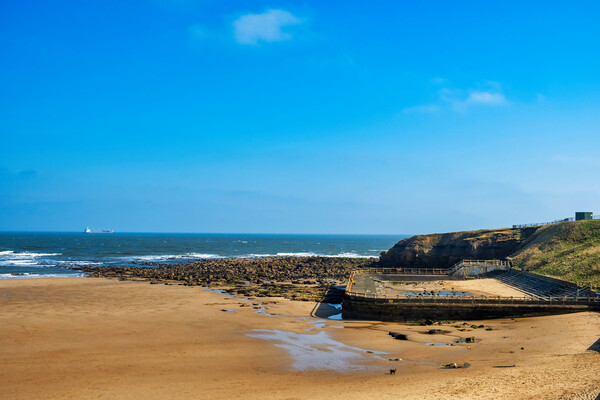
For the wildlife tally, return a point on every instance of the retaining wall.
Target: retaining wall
(436, 309)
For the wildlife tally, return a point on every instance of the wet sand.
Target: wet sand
(98, 338)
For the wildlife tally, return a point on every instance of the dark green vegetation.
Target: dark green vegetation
(566, 250)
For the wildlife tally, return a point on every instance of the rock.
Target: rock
(445, 250)
(398, 336)
(435, 331)
(307, 270)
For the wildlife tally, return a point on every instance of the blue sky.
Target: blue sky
(297, 117)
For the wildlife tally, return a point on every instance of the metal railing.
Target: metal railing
(439, 299)
(404, 270)
(542, 223)
(374, 298)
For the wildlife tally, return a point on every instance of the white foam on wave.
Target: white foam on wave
(27, 275)
(76, 263)
(40, 254)
(11, 258)
(351, 255)
(15, 263)
(300, 254)
(165, 257)
(202, 255)
(308, 254)
(27, 254)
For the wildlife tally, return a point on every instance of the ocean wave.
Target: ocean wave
(352, 255)
(309, 254)
(300, 254)
(27, 254)
(164, 257)
(27, 275)
(76, 263)
(11, 258)
(30, 259)
(17, 263)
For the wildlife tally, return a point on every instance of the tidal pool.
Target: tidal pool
(441, 293)
(317, 351)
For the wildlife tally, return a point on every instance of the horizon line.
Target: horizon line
(211, 233)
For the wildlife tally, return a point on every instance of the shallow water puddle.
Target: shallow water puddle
(263, 311)
(442, 293)
(225, 293)
(316, 351)
(218, 291)
(337, 316)
(316, 325)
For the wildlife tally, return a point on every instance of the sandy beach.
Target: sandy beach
(98, 338)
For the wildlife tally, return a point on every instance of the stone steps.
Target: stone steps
(536, 286)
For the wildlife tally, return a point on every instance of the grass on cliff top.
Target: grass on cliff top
(568, 250)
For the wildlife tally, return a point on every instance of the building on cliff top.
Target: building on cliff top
(581, 215)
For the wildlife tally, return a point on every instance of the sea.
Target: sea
(56, 254)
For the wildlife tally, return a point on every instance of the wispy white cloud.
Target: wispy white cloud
(485, 98)
(269, 26)
(460, 100)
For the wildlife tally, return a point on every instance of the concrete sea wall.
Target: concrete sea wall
(403, 310)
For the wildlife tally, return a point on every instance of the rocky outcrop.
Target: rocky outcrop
(295, 278)
(444, 250)
(297, 270)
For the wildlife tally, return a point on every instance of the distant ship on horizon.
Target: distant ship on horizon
(89, 230)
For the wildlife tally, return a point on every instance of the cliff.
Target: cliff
(444, 250)
(568, 250)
